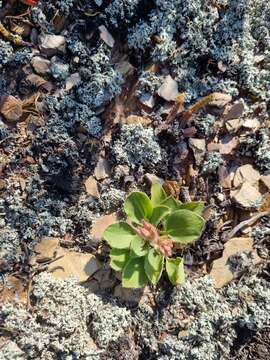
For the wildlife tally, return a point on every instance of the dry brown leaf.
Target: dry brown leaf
(246, 173)
(198, 147)
(172, 187)
(233, 125)
(100, 225)
(106, 36)
(234, 112)
(13, 291)
(38, 82)
(220, 99)
(11, 108)
(221, 273)
(91, 187)
(47, 248)
(78, 265)
(225, 178)
(225, 147)
(134, 119)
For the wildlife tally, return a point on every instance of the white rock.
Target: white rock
(247, 197)
(52, 44)
(41, 65)
(169, 89)
(265, 179)
(72, 80)
(106, 36)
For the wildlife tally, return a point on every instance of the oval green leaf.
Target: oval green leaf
(134, 274)
(138, 247)
(195, 206)
(171, 203)
(158, 194)
(184, 226)
(119, 235)
(175, 270)
(118, 258)
(138, 206)
(159, 213)
(153, 265)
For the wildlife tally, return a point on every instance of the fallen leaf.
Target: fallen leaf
(78, 265)
(100, 225)
(198, 147)
(38, 82)
(233, 125)
(106, 36)
(221, 273)
(91, 187)
(11, 108)
(189, 132)
(172, 187)
(14, 290)
(234, 112)
(102, 169)
(134, 119)
(220, 99)
(169, 89)
(247, 197)
(226, 146)
(246, 173)
(47, 248)
(225, 178)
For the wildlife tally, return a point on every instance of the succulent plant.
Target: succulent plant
(144, 244)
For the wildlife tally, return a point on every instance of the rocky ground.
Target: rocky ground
(99, 98)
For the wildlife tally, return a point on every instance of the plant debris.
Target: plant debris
(100, 99)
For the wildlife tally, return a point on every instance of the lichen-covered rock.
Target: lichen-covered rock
(212, 162)
(68, 321)
(136, 146)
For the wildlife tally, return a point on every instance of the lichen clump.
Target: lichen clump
(137, 146)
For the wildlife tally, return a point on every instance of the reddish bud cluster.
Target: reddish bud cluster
(149, 232)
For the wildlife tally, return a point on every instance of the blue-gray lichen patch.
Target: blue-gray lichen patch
(136, 146)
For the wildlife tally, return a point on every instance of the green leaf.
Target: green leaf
(133, 274)
(159, 212)
(195, 206)
(119, 235)
(138, 206)
(158, 194)
(138, 247)
(171, 203)
(184, 226)
(153, 264)
(175, 270)
(119, 258)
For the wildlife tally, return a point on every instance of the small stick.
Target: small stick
(246, 223)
